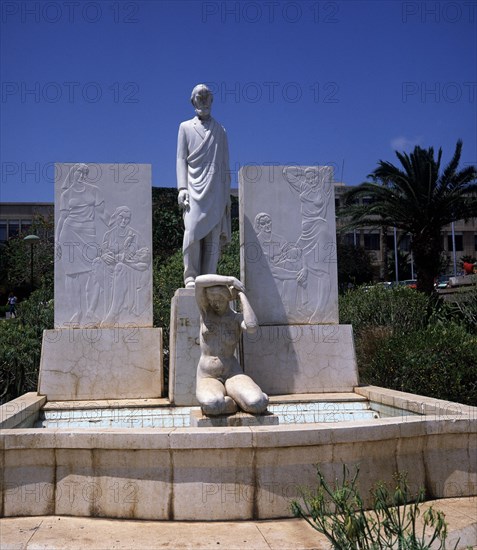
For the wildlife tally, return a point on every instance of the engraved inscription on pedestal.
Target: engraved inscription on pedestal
(103, 274)
(288, 243)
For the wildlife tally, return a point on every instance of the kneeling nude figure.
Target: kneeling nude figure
(221, 383)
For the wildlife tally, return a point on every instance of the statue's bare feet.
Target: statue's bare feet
(92, 318)
(230, 405)
(75, 318)
(225, 406)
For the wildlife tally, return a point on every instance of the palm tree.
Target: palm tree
(418, 198)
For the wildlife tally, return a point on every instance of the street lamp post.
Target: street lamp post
(453, 249)
(32, 239)
(396, 264)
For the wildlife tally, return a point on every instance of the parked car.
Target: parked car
(442, 282)
(411, 283)
(385, 284)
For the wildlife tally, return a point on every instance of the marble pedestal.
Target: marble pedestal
(287, 359)
(97, 363)
(199, 420)
(184, 347)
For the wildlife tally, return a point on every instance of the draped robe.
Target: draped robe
(208, 181)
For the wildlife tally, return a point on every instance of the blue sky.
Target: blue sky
(306, 82)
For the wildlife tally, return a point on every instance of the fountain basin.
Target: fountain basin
(142, 414)
(228, 473)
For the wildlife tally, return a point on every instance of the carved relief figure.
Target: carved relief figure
(271, 243)
(287, 269)
(285, 262)
(81, 203)
(221, 385)
(120, 272)
(314, 199)
(203, 181)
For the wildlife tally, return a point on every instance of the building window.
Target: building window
(26, 224)
(351, 239)
(371, 241)
(3, 232)
(459, 243)
(13, 228)
(390, 242)
(405, 243)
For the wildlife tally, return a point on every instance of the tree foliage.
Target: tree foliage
(354, 266)
(167, 225)
(404, 266)
(16, 264)
(20, 345)
(419, 198)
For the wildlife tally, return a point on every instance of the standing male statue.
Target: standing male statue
(203, 181)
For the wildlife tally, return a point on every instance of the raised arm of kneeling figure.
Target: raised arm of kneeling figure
(249, 322)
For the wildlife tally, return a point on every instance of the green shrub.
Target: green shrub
(407, 341)
(400, 308)
(338, 512)
(438, 361)
(167, 278)
(464, 309)
(20, 345)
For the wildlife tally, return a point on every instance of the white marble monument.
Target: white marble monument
(103, 239)
(184, 347)
(289, 266)
(203, 182)
(222, 388)
(288, 243)
(103, 345)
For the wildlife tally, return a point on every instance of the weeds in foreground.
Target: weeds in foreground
(338, 512)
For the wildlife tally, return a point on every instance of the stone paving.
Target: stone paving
(68, 533)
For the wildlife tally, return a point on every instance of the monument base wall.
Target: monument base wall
(98, 363)
(184, 348)
(211, 474)
(287, 359)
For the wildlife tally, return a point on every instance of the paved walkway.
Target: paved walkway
(68, 533)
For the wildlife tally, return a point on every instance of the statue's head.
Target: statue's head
(218, 297)
(263, 222)
(121, 216)
(77, 174)
(201, 98)
(312, 177)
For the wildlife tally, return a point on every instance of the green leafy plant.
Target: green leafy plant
(400, 308)
(337, 511)
(20, 345)
(411, 342)
(464, 309)
(354, 265)
(439, 361)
